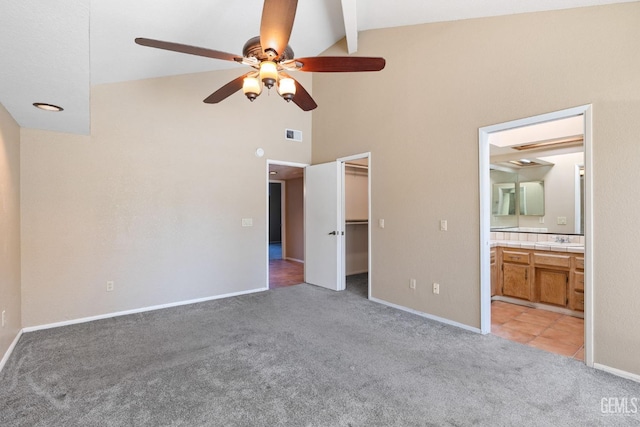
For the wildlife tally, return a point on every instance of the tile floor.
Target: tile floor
(546, 330)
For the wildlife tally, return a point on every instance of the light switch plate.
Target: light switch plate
(247, 222)
(443, 225)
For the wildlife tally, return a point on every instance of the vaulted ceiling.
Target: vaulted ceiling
(54, 51)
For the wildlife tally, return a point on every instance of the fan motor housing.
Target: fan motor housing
(253, 49)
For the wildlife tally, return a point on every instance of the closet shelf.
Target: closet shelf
(356, 221)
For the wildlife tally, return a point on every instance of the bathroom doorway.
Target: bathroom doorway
(546, 301)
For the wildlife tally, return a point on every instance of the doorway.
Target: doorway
(332, 219)
(356, 226)
(528, 291)
(285, 230)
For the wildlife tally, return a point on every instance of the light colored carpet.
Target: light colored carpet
(296, 356)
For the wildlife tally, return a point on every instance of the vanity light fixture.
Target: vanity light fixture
(273, 173)
(47, 107)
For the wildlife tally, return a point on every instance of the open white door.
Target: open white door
(324, 226)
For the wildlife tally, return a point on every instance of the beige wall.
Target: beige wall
(10, 300)
(420, 117)
(295, 219)
(153, 199)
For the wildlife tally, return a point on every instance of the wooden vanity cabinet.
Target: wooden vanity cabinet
(545, 277)
(516, 274)
(576, 290)
(494, 271)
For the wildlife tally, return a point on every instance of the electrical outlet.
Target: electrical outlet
(4, 318)
(436, 288)
(109, 286)
(412, 283)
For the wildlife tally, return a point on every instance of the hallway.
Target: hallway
(283, 272)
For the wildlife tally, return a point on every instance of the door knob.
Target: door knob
(333, 233)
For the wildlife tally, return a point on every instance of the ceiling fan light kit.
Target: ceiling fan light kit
(287, 88)
(271, 58)
(251, 87)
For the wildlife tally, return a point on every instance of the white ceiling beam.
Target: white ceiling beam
(350, 24)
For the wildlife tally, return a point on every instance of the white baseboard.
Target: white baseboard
(351, 273)
(617, 372)
(428, 316)
(294, 259)
(10, 350)
(137, 310)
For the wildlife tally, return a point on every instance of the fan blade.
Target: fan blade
(340, 64)
(191, 50)
(227, 90)
(276, 25)
(302, 98)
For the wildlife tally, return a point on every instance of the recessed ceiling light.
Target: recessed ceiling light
(47, 107)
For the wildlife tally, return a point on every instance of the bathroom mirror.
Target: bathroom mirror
(531, 198)
(504, 199)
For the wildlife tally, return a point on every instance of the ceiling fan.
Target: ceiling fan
(272, 58)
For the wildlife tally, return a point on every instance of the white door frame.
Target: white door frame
(343, 160)
(485, 217)
(267, 180)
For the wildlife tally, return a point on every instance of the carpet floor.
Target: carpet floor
(296, 356)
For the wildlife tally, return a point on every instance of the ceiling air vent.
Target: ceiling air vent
(293, 135)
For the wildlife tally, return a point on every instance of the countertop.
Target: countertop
(540, 246)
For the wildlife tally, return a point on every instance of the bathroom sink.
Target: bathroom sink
(565, 245)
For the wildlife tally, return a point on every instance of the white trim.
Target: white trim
(617, 372)
(428, 316)
(138, 310)
(485, 232)
(577, 199)
(7, 354)
(351, 273)
(589, 246)
(485, 215)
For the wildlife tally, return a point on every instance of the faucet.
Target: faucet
(562, 239)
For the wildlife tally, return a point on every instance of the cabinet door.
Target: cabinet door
(516, 281)
(553, 286)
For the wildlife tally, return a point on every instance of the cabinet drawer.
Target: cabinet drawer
(579, 281)
(580, 263)
(513, 256)
(579, 301)
(552, 260)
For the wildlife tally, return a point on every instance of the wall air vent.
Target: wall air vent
(293, 135)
